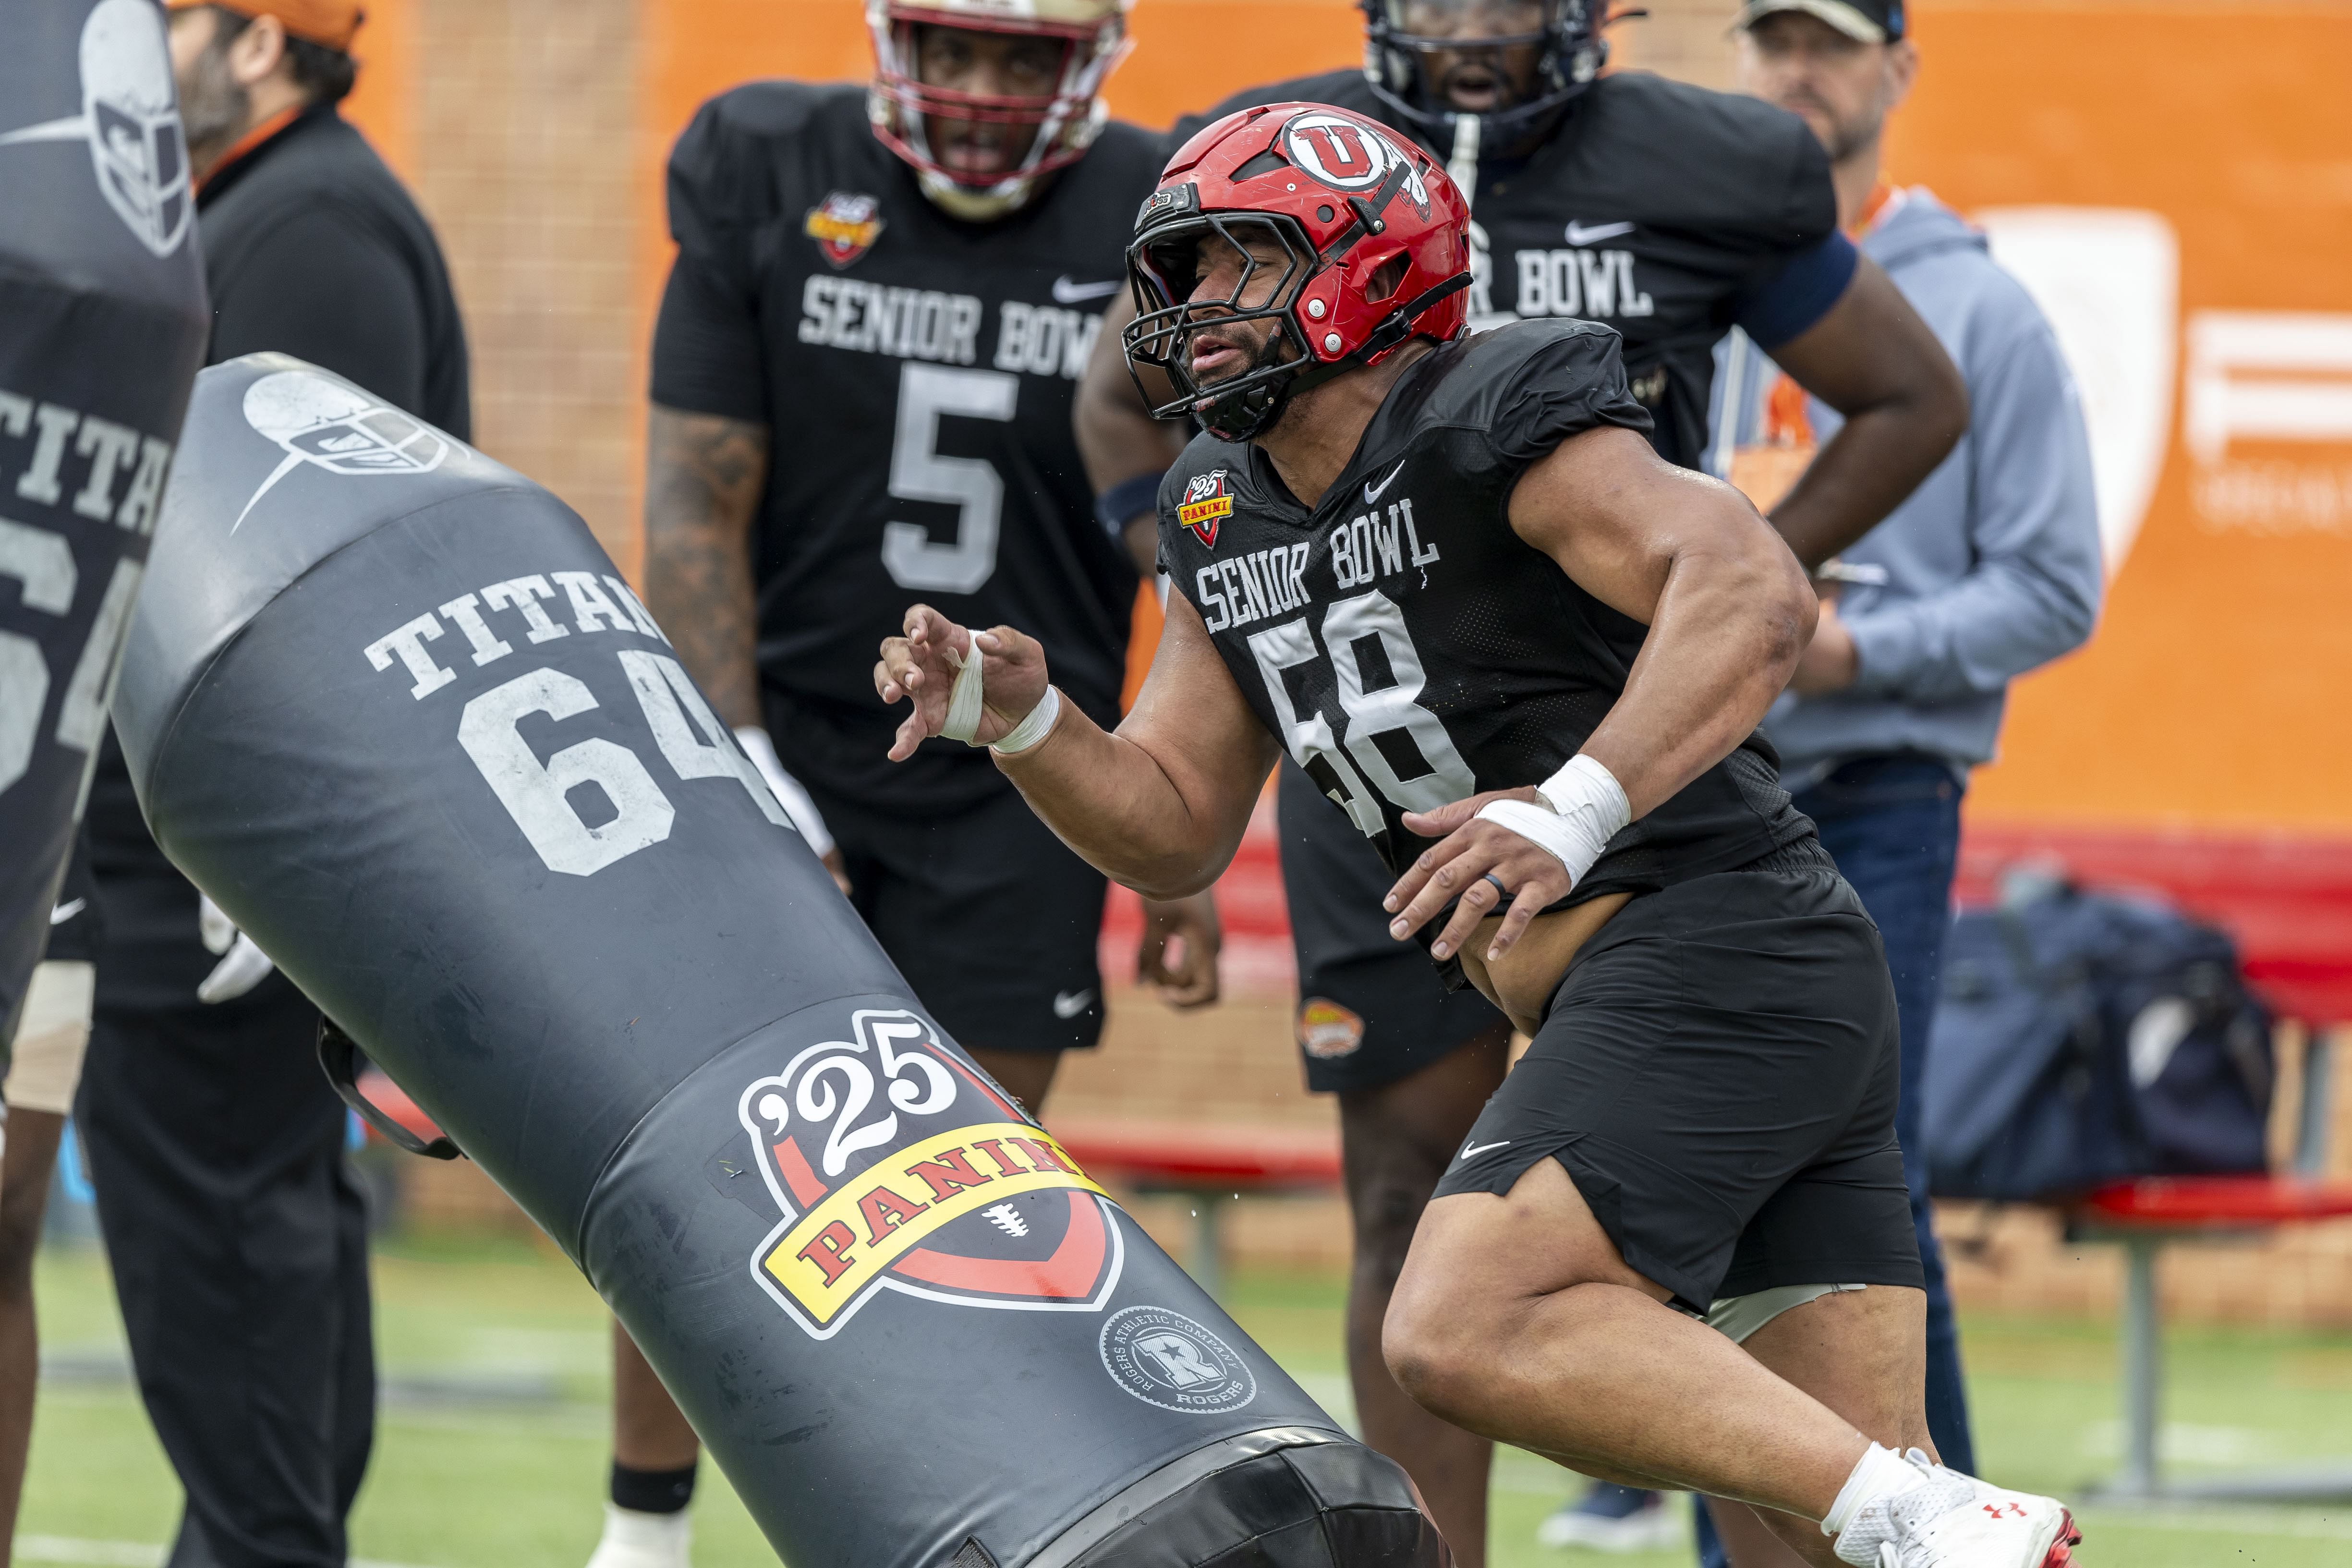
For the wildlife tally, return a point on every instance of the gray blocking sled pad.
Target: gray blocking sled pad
(102, 325)
(390, 705)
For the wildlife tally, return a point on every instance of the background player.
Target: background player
(1670, 213)
(861, 384)
(1717, 1073)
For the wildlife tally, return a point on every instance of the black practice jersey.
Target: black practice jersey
(1407, 647)
(917, 373)
(1667, 211)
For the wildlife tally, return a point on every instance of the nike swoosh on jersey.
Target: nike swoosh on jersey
(1068, 290)
(1373, 492)
(1470, 1150)
(66, 912)
(1579, 234)
(1070, 1003)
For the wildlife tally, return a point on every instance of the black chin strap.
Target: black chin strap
(1394, 328)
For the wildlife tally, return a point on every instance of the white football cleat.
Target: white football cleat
(634, 1540)
(1955, 1521)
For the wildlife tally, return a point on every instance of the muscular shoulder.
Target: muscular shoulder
(730, 166)
(1341, 88)
(1473, 381)
(1689, 157)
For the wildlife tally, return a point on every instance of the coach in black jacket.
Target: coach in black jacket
(237, 1236)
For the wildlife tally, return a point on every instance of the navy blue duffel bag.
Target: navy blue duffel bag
(2085, 1039)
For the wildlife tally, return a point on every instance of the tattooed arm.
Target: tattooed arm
(703, 478)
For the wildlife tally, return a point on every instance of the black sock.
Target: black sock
(652, 1491)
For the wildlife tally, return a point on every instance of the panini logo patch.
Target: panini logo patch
(1207, 501)
(897, 1168)
(844, 226)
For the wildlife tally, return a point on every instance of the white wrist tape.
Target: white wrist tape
(965, 709)
(1586, 807)
(785, 788)
(1033, 729)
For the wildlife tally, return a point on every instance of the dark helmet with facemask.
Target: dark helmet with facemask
(1401, 36)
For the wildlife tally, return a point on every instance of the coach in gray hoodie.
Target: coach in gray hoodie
(1989, 569)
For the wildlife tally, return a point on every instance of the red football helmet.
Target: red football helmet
(1375, 248)
(1093, 36)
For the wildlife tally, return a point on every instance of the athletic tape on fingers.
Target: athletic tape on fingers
(963, 698)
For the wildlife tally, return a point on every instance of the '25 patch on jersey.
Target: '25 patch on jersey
(1207, 498)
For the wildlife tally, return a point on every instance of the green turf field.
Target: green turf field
(491, 1452)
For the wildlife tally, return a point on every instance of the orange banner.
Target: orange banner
(2173, 180)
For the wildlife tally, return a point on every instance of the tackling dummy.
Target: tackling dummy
(102, 324)
(401, 718)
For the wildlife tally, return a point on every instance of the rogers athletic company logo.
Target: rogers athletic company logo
(1350, 157)
(321, 421)
(897, 1168)
(131, 118)
(1166, 1359)
(845, 226)
(1207, 499)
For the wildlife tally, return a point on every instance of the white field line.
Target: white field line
(116, 1554)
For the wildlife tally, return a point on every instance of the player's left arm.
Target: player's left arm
(1871, 358)
(1729, 610)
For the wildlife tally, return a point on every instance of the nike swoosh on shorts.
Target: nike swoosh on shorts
(66, 912)
(1471, 1150)
(1070, 1003)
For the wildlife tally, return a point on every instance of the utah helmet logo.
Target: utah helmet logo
(1207, 498)
(132, 120)
(844, 226)
(897, 1168)
(1350, 156)
(335, 427)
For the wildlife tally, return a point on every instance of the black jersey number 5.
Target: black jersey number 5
(1390, 738)
(970, 485)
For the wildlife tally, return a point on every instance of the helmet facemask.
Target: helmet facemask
(1163, 266)
(1060, 125)
(1401, 64)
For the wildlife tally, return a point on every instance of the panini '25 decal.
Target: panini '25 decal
(898, 1168)
(1207, 499)
(845, 226)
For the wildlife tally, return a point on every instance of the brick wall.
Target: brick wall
(525, 115)
(1685, 39)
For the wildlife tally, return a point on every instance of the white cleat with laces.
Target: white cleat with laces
(1954, 1520)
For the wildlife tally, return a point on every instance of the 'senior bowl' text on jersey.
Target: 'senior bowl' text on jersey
(916, 376)
(1407, 647)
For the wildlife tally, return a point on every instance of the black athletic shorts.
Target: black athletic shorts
(1717, 1073)
(1372, 1009)
(992, 919)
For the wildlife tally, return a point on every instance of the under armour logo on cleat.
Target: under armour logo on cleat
(1998, 1508)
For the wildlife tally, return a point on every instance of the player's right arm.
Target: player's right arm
(703, 475)
(1158, 805)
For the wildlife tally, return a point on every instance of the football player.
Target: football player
(1669, 213)
(862, 373)
(1527, 656)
